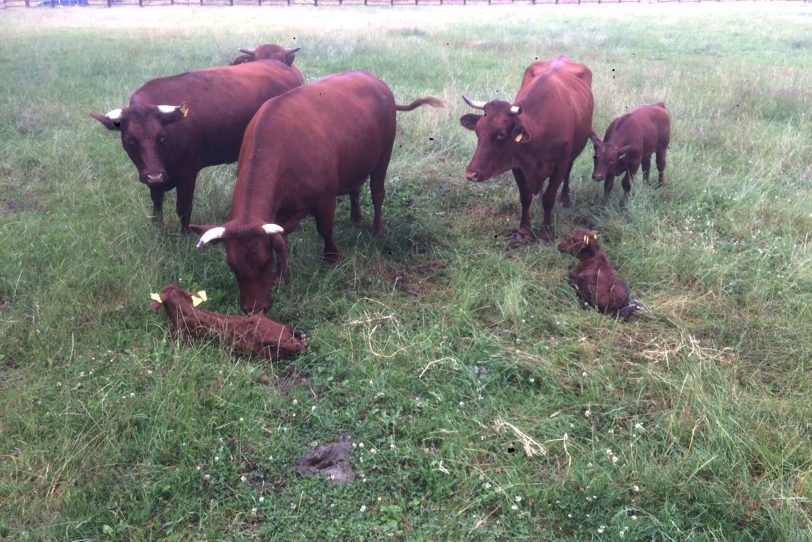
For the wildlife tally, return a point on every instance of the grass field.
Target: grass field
(484, 403)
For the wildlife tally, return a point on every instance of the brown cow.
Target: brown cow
(594, 278)
(177, 125)
(538, 136)
(254, 335)
(269, 51)
(301, 150)
(630, 140)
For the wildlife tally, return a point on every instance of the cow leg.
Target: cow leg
(646, 164)
(378, 190)
(157, 196)
(524, 232)
(565, 190)
(279, 244)
(607, 186)
(355, 207)
(661, 167)
(325, 216)
(547, 204)
(185, 196)
(631, 171)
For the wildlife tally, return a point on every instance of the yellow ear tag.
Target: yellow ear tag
(518, 138)
(156, 298)
(184, 108)
(202, 295)
(586, 239)
(595, 237)
(196, 301)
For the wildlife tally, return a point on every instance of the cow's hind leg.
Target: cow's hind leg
(661, 167)
(185, 193)
(378, 190)
(524, 233)
(565, 190)
(547, 204)
(355, 207)
(325, 216)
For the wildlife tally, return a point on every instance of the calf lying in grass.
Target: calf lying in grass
(594, 278)
(255, 335)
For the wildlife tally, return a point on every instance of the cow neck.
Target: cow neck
(255, 196)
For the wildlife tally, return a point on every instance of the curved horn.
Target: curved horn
(210, 235)
(115, 114)
(271, 229)
(515, 109)
(294, 50)
(248, 51)
(166, 109)
(472, 103)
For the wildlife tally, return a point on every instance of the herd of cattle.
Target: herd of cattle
(299, 146)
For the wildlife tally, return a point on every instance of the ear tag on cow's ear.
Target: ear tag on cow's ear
(156, 298)
(518, 138)
(199, 298)
(184, 108)
(586, 239)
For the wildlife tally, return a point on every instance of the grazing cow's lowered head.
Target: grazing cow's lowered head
(499, 133)
(267, 51)
(250, 251)
(610, 160)
(143, 135)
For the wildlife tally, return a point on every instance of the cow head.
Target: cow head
(250, 250)
(144, 136)
(500, 133)
(267, 51)
(582, 243)
(609, 159)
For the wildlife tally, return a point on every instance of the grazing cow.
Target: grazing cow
(630, 140)
(538, 136)
(594, 278)
(177, 125)
(301, 150)
(255, 335)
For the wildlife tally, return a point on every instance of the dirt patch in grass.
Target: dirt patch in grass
(416, 280)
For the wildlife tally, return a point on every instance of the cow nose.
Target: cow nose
(155, 178)
(471, 175)
(254, 308)
(597, 177)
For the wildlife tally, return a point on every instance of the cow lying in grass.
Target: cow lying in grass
(630, 140)
(255, 335)
(594, 278)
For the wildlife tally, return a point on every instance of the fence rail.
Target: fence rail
(4, 4)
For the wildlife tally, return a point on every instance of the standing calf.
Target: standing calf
(630, 140)
(254, 335)
(594, 278)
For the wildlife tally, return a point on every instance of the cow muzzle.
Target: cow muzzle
(598, 177)
(253, 307)
(473, 175)
(154, 178)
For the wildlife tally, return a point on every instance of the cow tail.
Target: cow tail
(425, 100)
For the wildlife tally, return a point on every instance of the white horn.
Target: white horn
(211, 235)
(248, 51)
(166, 109)
(115, 114)
(271, 229)
(515, 109)
(474, 104)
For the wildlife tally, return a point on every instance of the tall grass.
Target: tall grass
(453, 359)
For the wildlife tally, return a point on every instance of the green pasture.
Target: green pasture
(484, 403)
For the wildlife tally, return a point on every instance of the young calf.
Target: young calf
(630, 140)
(254, 335)
(595, 280)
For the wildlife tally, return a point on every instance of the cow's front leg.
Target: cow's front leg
(279, 244)
(628, 176)
(157, 195)
(325, 216)
(646, 164)
(608, 183)
(524, 233)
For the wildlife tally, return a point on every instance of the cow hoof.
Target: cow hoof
(331, 262)
(566, 202)
(519, 238)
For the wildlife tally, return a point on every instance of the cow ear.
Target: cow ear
(623, 151)
(109, 123)
(171, 114)
(519, 134)
(596, 139)
(469, 120)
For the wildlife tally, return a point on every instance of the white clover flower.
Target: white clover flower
(487, 485)
(217, 458)
(587, 413)
(243, 478)
(253, 511)
(601, 529)
(638, 427)
(373, 451)
(514, 507)
(295, 401)
(392, 446)
(363, 508)
(262, 499)
(360, 444)
(242, 420)
(636, 488)
(518, 498)
(615, 459)
(207, 477)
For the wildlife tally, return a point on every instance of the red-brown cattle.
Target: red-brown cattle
(175, 126)
(630, 140)
(254, 335)
(594, 278)
(538, 136)
(301, 150)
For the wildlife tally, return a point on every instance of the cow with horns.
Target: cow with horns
(175, 126)
(301, 150)
(538, 136)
